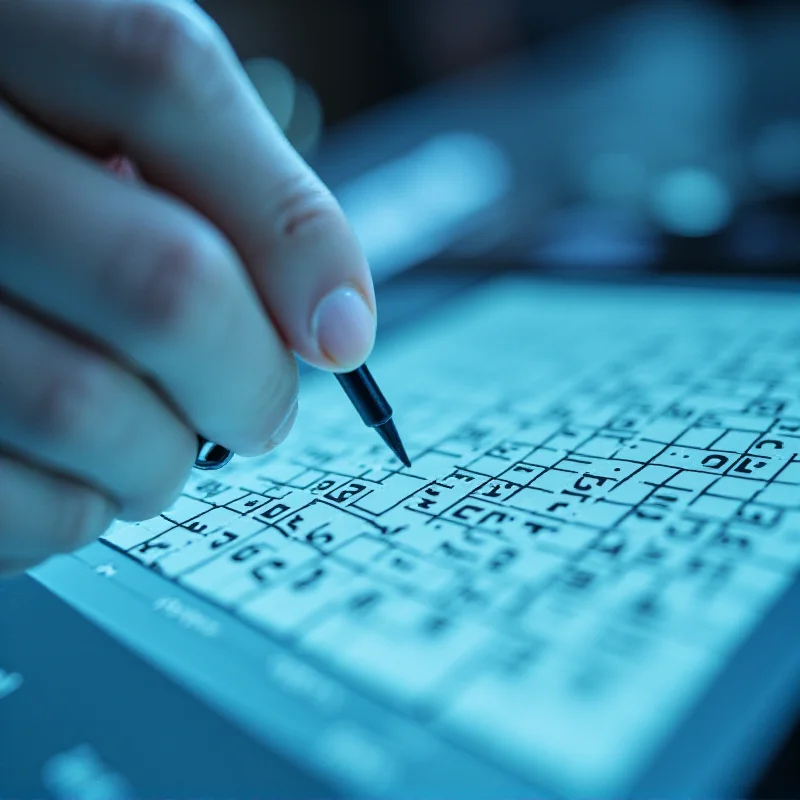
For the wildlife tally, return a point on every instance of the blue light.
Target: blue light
(691, 202)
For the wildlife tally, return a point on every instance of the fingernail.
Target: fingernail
(344, 327)
(284, 428)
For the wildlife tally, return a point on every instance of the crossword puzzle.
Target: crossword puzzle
(568, 561)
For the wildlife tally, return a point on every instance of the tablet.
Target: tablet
(584, 585)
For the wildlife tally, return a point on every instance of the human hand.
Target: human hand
(135, 314)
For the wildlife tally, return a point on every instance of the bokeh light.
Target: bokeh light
(275, 84)
(691, 202)
(305, 127)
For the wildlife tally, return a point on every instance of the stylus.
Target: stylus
(364, 394)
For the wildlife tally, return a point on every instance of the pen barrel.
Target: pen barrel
(210, 455)
(365, 395)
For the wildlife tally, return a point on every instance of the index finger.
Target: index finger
(159, 82)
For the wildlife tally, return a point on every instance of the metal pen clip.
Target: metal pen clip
(210, 455)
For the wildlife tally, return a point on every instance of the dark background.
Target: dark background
(665, 133)
(357, 53)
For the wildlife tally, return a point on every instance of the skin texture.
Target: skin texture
(163, 253)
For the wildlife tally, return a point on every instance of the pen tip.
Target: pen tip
(388, 432)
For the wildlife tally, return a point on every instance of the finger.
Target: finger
(11, 567)
(122, 167)
(158, 81)
(80, 413)
(42, 513)
(149, 278)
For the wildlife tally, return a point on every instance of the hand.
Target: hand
(134, 315)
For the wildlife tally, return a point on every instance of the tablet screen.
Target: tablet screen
(602, 507)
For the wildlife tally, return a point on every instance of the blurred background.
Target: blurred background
(568, 137)
(577, 135)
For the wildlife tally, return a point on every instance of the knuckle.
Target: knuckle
(166, 46)
(305, 207)
(181, 279)
(70, 403)
(84, 517)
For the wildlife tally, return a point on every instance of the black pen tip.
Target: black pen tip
(389, 434)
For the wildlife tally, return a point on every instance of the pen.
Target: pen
(364, 394)
(359, 385)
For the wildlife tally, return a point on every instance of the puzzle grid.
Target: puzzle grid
(560, 572)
